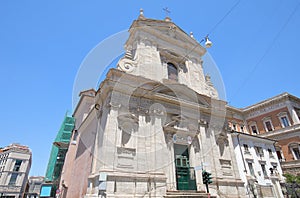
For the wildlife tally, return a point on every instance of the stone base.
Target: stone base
(120, 184)
(191, 194)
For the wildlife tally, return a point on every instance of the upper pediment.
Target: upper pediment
(162, 34)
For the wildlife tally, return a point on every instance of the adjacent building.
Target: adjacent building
(57, 156)
(278, 118)
(34, 186)
(259, 166)
(275, 119)
(79, 158)
(15, 163)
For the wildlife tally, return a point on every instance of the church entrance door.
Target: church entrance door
(185, 175)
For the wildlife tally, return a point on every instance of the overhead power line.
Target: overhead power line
(222, 19)
(268, 49)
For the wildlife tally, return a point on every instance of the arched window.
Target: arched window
(172, 72)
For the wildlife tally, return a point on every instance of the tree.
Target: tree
(292, 185)
(292, 178)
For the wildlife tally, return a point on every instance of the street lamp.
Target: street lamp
(208, 43)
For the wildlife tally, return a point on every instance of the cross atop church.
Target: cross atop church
(167, 11)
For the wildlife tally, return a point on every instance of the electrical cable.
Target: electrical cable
(267, 50)
(222, 19)
(212, 29)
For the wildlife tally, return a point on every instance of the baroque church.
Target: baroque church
(155, 123)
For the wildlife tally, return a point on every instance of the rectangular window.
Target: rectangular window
(254, 130)
(270, 153)
(259, 151)
(251, 168)
(263, 167)
(285, 121)
(268, 126)
(13, 179)
(17, 165)
(172, 72)
(75, 132)
(279, 155)
(246, 148)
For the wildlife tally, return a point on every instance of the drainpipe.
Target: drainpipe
(238, 137)
(245, 170)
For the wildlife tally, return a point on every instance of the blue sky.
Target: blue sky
(43, 43)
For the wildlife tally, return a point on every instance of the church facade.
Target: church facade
(154, 124)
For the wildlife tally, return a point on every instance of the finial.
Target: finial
(141, 16)
(208, 80)
(191, 34)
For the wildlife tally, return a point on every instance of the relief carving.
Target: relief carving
(126, 157)
(126, 63)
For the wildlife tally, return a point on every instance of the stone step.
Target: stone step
(186, 194)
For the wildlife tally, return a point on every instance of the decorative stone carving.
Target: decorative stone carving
(128, 122)
(168, 56)
(169, 139)
(196, 144)
(113, 105)
(99, 110)
(210, 87)
(182, 127)
(172, 30)
(226, 167)
(222, 138)
(203, 122)
(225, 163)
(182, 138)
(126, 63)
(126, 157)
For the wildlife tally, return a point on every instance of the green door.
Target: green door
(184, 174)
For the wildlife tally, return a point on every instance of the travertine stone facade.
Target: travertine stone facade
(156, 122)
(156, 109)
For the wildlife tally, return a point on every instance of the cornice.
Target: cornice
(286, 132)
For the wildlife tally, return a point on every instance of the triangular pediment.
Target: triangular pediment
(162, 32)
(182, 92)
